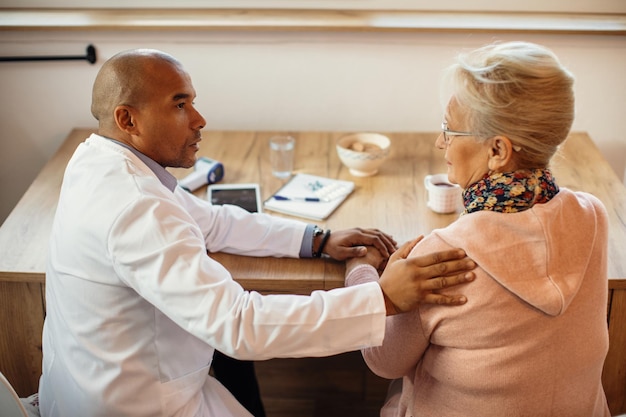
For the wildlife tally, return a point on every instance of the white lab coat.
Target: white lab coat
(135, 307)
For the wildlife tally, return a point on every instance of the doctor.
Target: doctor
(136, 307)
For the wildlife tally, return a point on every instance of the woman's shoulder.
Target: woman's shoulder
(579, 204)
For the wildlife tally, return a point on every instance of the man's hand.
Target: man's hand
(350, 243)
(408, 283)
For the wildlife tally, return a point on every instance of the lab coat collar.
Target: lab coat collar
(167, 179)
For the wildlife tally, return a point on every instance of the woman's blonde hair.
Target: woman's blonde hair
(519, 90)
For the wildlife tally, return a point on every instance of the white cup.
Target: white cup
(282, 149)
(443, 196)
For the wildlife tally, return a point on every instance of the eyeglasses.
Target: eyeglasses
(449, 134)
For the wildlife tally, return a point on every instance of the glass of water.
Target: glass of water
(282, 149)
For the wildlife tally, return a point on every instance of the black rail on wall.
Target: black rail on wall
(90, 56)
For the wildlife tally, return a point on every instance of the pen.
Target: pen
(309, 199)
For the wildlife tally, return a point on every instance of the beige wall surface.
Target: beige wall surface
(281, 80)
(595, 6)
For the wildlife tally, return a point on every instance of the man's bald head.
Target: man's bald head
(125, 79)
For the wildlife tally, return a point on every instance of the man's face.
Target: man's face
(168, 123)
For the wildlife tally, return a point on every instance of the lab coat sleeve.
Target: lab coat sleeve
(232, 229)
(404, 342)
(157, 249)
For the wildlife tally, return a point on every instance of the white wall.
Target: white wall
(283, 81)
(580, 6)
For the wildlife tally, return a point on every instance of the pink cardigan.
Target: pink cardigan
(532, 338)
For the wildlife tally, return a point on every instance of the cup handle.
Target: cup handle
(427, 183)
(427, 188)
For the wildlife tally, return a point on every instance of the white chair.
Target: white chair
(14, 406)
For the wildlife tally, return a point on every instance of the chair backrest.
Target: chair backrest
(9, 400)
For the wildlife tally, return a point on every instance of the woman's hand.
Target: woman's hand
(373, 257)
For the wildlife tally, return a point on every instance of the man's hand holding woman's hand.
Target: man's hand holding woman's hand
(351, 243)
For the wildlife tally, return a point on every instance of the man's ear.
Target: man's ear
(500, 154)
(125, 119)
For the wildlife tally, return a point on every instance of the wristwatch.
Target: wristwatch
(320, 249)
(316, 232)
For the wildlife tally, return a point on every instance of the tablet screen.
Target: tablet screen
(246, 197)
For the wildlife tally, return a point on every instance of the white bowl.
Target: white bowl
(363, 160)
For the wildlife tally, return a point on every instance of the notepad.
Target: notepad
(309, 196)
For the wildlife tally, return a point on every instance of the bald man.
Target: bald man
(136, 307)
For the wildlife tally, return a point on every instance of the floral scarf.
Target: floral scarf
(510, 192)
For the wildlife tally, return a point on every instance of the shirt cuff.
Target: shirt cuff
(306, 248)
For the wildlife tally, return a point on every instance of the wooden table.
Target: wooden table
(393, 201)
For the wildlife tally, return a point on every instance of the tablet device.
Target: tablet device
(247, 196)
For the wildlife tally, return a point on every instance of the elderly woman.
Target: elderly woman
(532, 338)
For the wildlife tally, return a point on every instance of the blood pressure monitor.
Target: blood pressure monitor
(206, 171)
